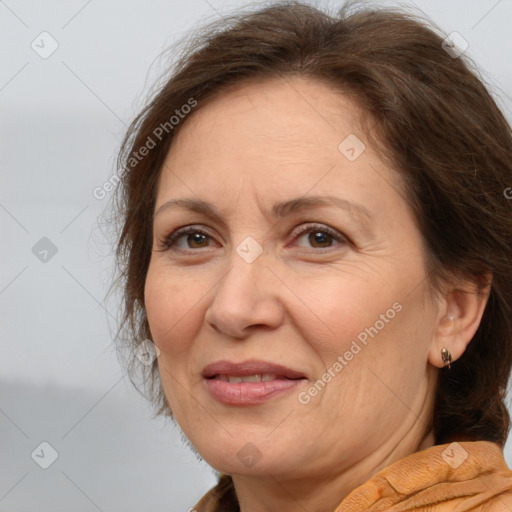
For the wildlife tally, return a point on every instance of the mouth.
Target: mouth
(258, 377)
(251, 370)
(249, 382)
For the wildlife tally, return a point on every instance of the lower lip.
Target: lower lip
(249, 393)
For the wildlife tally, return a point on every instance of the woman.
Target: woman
(317, 239)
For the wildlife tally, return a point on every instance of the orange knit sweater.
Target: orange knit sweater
(456, 477)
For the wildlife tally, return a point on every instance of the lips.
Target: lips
(246, 369)
(249, 382)
(258, 377)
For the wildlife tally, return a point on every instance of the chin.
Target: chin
(245, 454)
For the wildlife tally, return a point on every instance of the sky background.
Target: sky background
(61, 121)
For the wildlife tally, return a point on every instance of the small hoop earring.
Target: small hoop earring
(447, 357)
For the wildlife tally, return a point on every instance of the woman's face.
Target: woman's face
(302, 253)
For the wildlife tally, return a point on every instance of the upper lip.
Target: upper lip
(249, 367)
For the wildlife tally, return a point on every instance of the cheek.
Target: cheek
(173, 311)
(371, 327)
(341, 310)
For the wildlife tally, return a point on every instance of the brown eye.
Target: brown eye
(319, 237)
(187, 238)
(196, 240)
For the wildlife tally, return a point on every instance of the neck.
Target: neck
(275, 494)
(322, 490)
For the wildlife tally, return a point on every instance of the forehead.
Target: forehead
(285, 111)
(277, 125)
(280, 137)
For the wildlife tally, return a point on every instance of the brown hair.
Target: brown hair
(438, 126)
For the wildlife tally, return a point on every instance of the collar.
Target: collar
(457, 477)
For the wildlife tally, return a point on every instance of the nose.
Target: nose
(245, 299)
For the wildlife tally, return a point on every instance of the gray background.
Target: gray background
(61, 120)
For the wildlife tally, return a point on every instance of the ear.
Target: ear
(460, 312)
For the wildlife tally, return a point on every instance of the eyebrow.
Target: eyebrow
(279, 210)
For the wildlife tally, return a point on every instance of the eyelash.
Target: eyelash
(168, 242)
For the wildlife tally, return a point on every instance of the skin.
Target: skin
(301, 303)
